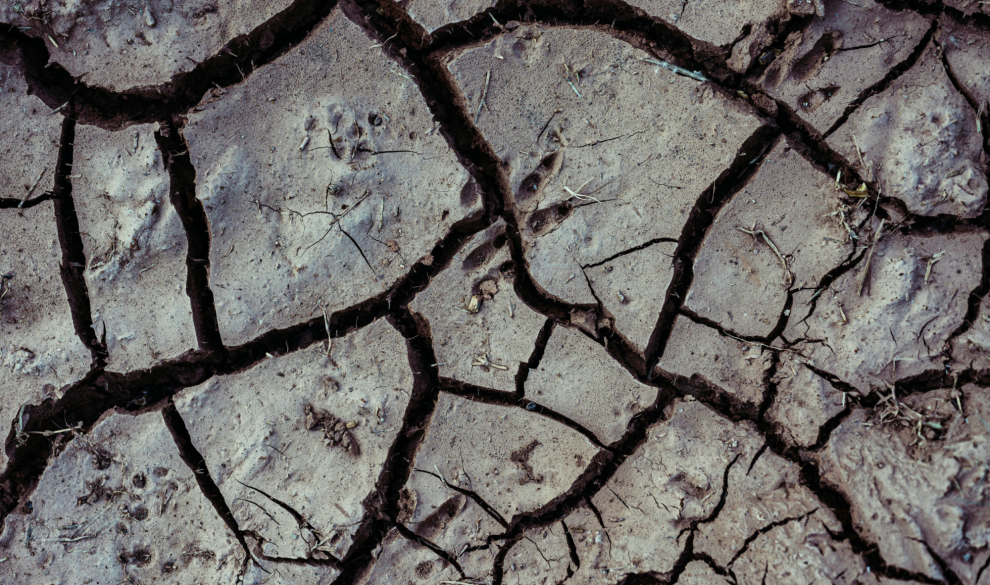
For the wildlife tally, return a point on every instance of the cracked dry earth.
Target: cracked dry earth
(466, 292)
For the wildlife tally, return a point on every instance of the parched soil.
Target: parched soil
(524, 292)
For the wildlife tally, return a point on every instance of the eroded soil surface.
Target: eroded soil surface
(517, 292)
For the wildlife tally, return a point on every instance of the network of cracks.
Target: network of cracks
(532, 292)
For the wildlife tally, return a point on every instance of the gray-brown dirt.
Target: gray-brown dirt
(495, 292)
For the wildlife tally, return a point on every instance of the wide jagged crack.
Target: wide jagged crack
(510, 400)
(382, 504)
(73, 264)
(688, 553)
(241, 56)
(425, 543)
(895, 72)
(539, 348)
(182, 193)
(630, 24)
(700, 220)
(926, 7)
(197, 464)
(86, 400)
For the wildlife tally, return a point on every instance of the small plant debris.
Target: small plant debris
(336, 431)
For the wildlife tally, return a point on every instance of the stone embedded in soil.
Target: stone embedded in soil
(739, 280)
(918, 139)
(39, 349)
(433, 14)
(966, 49)
(804, 402)
(742, 29)
(638, 173)
(579, 380)
(126, 47)
(699, 573)
(897, 328)
(119, 504)
(135, 246)
(501, 329)
(699, 354)
(31, 138)
(827, 65)
(914, 477)
(632, 287)
(251, 429)
(515, 461)
(272, 186)
(399, 560)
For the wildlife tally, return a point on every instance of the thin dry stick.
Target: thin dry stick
(766, 238)
(931, 262)
(763, 344)
(860, 153)
(336, 218)
(567, 78)
(580, 196)
(31, 190)
(326, 323)
(484, 95)
(869, 257)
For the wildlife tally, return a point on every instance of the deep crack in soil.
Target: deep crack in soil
(511, 470)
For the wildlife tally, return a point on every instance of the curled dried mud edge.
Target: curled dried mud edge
(110, 110)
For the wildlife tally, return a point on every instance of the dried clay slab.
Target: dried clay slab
(135, 246)
(299, 224)
(594, 170)
(915, 294)
(918, 142)
(121, 504)
(309, 430)
(826, 66)
(742, 278)
(39, 350)
(913, 471)
(31, 138)
(125, 47)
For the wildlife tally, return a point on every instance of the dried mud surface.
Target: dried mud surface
(485, 292)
